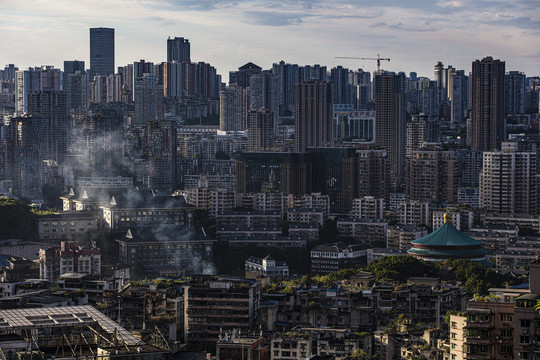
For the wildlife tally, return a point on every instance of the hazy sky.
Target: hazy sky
(415, 34)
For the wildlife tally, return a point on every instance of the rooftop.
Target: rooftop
(447, 235)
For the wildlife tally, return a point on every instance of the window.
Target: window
(453, 346)
(454, 324)
(524, 339)
(507, 349)
(453, 335)
(507, 317)
(525, 323)
(507, 333)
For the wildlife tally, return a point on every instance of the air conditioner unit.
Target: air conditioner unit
(525, 331)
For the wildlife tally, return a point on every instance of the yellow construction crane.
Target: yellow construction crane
(378, 58)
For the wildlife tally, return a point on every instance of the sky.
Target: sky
(414, 34)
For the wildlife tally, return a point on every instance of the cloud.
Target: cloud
(270, 18)
(522, 22)
(401, 26)
(450, 3)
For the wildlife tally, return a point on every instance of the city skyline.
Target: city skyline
(227, 35)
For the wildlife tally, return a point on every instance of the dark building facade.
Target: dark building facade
(487, 95)
(51, 107)
(289, 173)
(313, 115)
(101, 51)
(334, 174)
(72, 66)
(390, 121)
(178, 49)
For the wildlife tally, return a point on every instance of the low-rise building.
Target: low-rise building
(68, 258)
(308, 231)
(232, 346)
(367, 231)
(368, 207)
(131, 209)
(266, 267)
(401, 236)
(166, 250)
(520, 220)
(67, 224)
(213, 305)
(333, 257)
(306, 215)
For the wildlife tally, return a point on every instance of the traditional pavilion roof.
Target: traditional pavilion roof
(447, 235)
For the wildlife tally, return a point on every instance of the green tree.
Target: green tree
(400, 268)
(17, 220)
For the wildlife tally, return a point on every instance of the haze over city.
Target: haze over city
(227, 34)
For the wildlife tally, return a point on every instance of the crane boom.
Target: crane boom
(378, 58)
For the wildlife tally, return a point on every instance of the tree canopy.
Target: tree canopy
(17, 220)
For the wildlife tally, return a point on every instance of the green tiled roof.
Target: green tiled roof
(447, 235)
(448, 253)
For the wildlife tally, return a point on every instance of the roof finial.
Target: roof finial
(447, 218)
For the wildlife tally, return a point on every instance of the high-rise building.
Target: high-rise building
(51, 107)
(260, 130)
(432, 175)
(178, 49)
(515, 90)
(508, 182)
(421, 129)
(487, 95)
(361, 82)
(101, 51)
(76, 87)
(334, 174)
(26, 167)
(71, 67)
(390, 118)
(460, 96)
(101, 135)
(242, 77)
(373, 173)
(25, 82)
(339, 77)
(233, 109)
(313, 115)
(288, 173)
(148, 99)
(174, 79)
(161, 145)
(8, 73)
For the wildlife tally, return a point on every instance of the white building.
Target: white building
(267, 267)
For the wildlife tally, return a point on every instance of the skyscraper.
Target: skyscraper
(487, 94)
(460, 96)
(233, 109)
(390, 121)
(72, 66)
(51, 106)
(101, 51)
(508, 182)
(178, 50)
(515, 90)
(161, 150)
(25, 169)
(313, 115)
(148, 99)
(339, 76)
(260, 130)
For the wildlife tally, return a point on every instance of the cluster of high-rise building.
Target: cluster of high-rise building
(146, 154)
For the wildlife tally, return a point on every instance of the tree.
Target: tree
(400, 268)
(17, 220)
